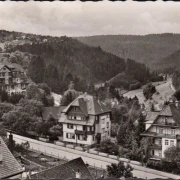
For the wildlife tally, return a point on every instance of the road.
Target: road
(101, 162)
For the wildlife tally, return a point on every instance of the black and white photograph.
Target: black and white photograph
(90, 90)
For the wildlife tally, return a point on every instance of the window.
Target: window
(12, 87)
(161, 130)
(92, 128)
(103, 121)
(70, 136)
(160, 142)
(70, 117)
(166, 142)
(171, 143)
(82, 137)
(94, 138)
(107, 115)
(78, 117)
(88, 128)
(160, 154)
(173, 131)
(70, 126)
(84, 128)
(107, 125)
(75, 108)
(103, 130)
(97, 118)
(3, 74)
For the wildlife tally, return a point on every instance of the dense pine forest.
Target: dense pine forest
(151, 50)
(59, 60)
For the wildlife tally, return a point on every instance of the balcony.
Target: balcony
(84, 132)
(154, 134)
(90, 132)
(80, 132)
(156, 146)
(167, 124)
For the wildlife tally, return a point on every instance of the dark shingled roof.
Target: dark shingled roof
(9, 166)
(65, 171)
(88, 104)
(54, 111)
(175, 113)
(166, 111)
(151, 116)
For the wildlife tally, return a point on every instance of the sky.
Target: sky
(90, 18)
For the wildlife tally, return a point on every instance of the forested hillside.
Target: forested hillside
(176, 79)
(59, 60)
(148, 49)
(170, 63)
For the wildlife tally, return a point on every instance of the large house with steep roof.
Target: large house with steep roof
(9, 166)
(84, 120)
(13, 79)
(164, 128)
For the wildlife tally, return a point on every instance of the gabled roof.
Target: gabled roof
(88, 104)
(166, 111)
(170, 110)
(10, 165)
(151, 116)
(55, 111)
(2, 65)
(175, 113)
(65, 171)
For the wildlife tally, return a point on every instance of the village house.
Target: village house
(75, 168)
(9, 166)
(85, 120)
(164, 128)
(13, 79)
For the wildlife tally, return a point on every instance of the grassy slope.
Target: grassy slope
(164, 89)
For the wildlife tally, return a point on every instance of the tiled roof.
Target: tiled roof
(89, 104)
(151, 116)
(9, 166)
(166, 111)
(169, 110)
(175, 113)
(12, 66)
(65, 171)
(54, 111)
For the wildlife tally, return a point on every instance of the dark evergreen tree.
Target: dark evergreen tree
(36, 69)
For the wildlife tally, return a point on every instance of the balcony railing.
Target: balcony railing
(155, 146)
(80, 132)
(84, 132)
(167, 124)
(154, 134)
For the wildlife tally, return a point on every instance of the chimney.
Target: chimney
(1, 152)
(11, 142)
(78, 174)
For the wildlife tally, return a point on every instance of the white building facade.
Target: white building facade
(13, 79)
(164, 130)
(84, 120)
